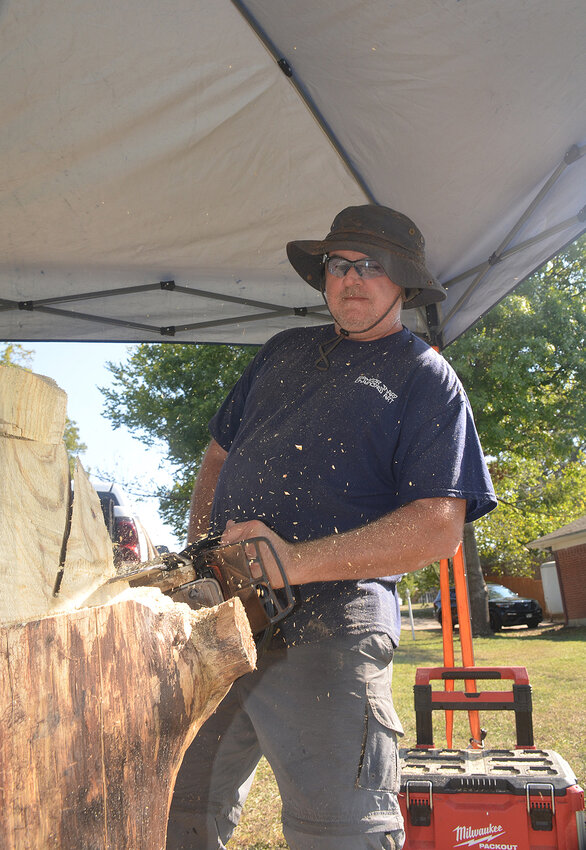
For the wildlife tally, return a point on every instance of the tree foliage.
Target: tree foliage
(14, 354)
(73, 443)
(523, 364)
(524, 369)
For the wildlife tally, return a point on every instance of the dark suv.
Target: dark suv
(505, 608)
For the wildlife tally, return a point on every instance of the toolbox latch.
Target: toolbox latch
(419, 801)
(541, 811)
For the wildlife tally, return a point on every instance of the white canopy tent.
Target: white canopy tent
(156, 157)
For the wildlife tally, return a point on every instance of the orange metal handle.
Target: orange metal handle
(448, 640)
(465, 624)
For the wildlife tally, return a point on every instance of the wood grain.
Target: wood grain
(97, 709)
(89, 560)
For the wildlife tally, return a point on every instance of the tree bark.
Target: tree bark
(476, 585)
(98, 707)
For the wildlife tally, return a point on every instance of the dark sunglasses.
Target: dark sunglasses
(364, 267)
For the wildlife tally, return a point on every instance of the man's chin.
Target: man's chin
(353, 318)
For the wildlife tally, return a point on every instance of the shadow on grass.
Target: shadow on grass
(553, 634)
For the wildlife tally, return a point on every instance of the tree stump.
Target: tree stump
(98, 707)
(97, 704)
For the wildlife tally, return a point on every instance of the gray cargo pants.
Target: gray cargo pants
(323, 716)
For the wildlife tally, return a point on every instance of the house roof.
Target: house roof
(568, 535)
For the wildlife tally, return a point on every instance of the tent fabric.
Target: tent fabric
(156, 158)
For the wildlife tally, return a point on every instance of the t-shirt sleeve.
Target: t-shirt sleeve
(443, 457)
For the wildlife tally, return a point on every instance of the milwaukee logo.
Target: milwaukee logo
(481, 837)
(386, 393)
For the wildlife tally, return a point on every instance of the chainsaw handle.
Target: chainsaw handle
(282, 599)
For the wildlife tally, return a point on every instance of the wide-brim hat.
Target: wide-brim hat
(388, 236)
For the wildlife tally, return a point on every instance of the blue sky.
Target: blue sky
(79, 369)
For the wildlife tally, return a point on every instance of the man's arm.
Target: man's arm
(203, 491)
(399, 542)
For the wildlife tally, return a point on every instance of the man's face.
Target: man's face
(356, 303)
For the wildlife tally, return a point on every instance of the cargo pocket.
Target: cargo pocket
(379, 762)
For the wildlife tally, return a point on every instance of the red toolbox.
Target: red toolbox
(494, 799)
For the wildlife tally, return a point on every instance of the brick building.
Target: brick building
(568, 545)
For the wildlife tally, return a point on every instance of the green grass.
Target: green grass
(554, 658)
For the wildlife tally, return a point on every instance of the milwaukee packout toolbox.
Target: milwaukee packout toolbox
(486, 799)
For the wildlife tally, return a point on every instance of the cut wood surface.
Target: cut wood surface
(32, 407)
(34, 492)
(42, 534)
(89, 559)
(97, 708)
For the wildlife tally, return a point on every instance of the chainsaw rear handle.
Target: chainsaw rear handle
(278, 603)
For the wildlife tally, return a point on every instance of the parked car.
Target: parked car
(505, 608)
(130, 540)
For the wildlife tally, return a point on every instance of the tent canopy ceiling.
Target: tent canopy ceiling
(157, 158)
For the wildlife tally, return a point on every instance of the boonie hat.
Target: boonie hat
(388, 236)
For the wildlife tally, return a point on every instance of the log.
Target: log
(89, 557)
(34, 491)
(97, 709)
(99, 696)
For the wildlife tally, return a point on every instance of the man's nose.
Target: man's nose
(352, 276)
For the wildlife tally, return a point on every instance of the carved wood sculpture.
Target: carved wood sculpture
(97, 704)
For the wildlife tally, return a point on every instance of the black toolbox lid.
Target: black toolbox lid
(486, 771)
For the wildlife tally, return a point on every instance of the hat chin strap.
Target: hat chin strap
(323, 363)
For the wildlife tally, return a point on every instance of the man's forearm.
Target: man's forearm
(203, 491)
(400, 542)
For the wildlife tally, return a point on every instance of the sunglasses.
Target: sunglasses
(364, 267)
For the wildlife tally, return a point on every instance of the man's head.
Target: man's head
(361, 298)
(387, 237)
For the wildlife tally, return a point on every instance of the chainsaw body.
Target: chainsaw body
(207, 573)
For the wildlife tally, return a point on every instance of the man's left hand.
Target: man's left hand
(237, 532)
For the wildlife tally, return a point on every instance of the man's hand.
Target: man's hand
(236, 532)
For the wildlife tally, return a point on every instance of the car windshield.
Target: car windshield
(497, 591)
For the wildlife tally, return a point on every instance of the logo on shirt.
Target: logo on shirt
(386, 393)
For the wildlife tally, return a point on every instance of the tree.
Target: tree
(524, 369)
(73, 444)
(535, 498)
(523, 364)
(167, 394)
(13, 354)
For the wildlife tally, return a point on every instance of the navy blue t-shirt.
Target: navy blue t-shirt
(313, 453)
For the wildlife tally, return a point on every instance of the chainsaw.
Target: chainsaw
(208, 572)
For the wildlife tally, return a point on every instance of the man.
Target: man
(352, 447)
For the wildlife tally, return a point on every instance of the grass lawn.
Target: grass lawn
(555, 660)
